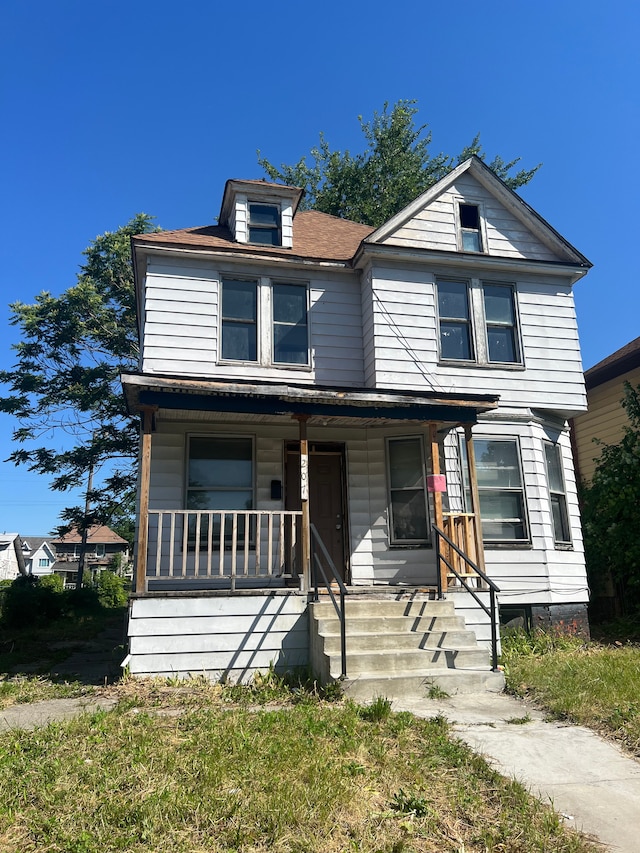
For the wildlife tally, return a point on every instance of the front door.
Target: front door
(326, 496)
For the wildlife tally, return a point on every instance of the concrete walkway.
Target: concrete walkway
(588, 780)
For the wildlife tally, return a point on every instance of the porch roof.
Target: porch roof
(362, 406)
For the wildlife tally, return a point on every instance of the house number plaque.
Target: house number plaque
(304, 477)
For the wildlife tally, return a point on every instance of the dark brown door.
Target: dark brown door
(326, 499)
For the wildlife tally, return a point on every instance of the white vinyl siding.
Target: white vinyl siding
(403, 348)
(181, 326)
(436, 227)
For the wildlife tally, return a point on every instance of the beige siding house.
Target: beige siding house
(606, 418)
(329, 410)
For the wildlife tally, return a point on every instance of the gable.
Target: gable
(508, 227)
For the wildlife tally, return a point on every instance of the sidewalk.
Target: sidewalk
(588, 780)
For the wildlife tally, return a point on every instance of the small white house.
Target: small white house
(386, 409)
(39, 555)
(11, 557)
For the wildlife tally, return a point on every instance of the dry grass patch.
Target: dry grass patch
(217, 777)
(595, 685)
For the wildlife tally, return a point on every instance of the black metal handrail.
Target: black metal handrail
(316, 542)
(493, 588)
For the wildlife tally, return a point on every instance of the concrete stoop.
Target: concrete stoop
(400, 649)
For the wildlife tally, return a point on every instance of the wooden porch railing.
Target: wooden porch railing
(207, 545)
(461, 529)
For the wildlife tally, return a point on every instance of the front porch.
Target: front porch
(342, 497)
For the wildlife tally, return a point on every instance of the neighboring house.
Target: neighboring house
(606, 418)
(103, 546)
(315, 393)
(39, 555)
(11, 556)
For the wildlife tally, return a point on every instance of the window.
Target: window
(408, 523)
(557, 494)
(264, 224)
(471, 238)
(499, 312)
(465, 308)
(219, 477)
(265, 322)
(220, 473)
(455, 321)
(239, 320)
(500, 489)
(290, 339)
(101, 550)
(43, 563)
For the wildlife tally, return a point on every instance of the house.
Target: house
(330, 408)
(11, 557)
(103, 547)
(606, 418)
(39, 555)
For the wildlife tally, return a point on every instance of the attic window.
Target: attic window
(264, 224)
(470, 228)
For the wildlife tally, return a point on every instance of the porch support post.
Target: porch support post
(305, 578)
(437, 498)
(143, 518)
(475, 497)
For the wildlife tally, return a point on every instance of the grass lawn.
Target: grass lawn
(202, 768)
(594, 684)
(29, 652)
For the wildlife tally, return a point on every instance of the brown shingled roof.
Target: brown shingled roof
(315, 235)
(96, 534)
(621, 361)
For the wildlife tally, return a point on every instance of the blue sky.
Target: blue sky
(113, 108)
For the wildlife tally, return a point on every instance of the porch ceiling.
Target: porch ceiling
(265, 402)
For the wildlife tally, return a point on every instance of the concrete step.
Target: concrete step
(399, 662)
(366, 687)
(402, 640)
(377, 607)
(387, 624)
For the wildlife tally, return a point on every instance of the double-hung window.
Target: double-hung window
(43, 563)
(290, 336)
(500, 320)
(557, 494)
(264, 322)
(408, 522)
(500, 489)
(470, 234)
(239, 320)
(478, 322)
(264, 224)
(455, 320)
(219, 478)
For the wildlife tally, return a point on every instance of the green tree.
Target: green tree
(611, 511)
(395, 167)
(64, 388)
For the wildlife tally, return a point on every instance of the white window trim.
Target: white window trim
(218, 435)
(479, 203)
(559, 544)
(264, 322)
(501, 543)
(407, 543)
(478, 324)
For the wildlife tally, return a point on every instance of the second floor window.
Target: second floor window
(239, 320)
(264, 322)
(43, 563)
(478, 322)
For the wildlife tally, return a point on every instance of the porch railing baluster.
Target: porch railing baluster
(258, 534)
(159, 544)
(223, 518)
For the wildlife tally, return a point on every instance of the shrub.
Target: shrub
(111, 590)
(27, 601)
(53, 582)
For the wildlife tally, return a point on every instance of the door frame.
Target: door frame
(327, 448)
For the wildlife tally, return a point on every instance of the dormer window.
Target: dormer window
(264, 224)
(470, 228)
